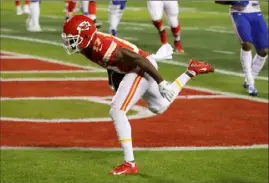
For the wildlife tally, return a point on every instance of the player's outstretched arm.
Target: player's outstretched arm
(129, 57)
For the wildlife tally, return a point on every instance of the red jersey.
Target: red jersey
(102, 50)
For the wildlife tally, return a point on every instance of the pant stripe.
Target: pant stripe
(131, 92)
(235, 29)
(179, 85)
(125, 140)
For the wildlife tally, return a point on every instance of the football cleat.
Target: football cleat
(252, 91)
(113, 32)
(163, 36)
(34, 28)
(26, 9)
(197, 67)
(19, 10)
(245, 85)
(178, 47)
(125, 168)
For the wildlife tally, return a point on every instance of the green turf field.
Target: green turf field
(207, 34)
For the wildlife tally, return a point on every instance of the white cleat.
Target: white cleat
(29, 22)
(26, 9)
(34, 28)
(252, 91)
(19, 10)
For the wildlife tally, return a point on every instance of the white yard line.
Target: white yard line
(186, 148)
(105, 99)
(141, 112)
(221, 71)
(224, 52)
(13, 57)
(228, 94)
(233, 95)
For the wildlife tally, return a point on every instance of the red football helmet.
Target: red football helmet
(78, 32)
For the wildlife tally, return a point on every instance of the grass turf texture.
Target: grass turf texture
(47, 109)
(228, 166)
(212, 32)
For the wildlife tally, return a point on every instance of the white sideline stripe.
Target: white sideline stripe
(186, 148)
(54, 79)
(50, 60)
(225, 72)
(202, 96)
(105, 97)
(13, 57)
(150, 25)
(130, 38)
(172, 62)
(45, 71)
(229, 94)
(142, 112)
(239, 96)
(224, 52)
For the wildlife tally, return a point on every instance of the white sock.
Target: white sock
(180, 82)
(246, 62)
(114, 16)
(258, 63)
(123, 129)
(35, 12)
(85, 7)
(173, 20)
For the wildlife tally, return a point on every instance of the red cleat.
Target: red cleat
(178, 46)
(163, 37)
(197, 67)
(125, 168)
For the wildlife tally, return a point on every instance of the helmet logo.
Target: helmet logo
(84, 26)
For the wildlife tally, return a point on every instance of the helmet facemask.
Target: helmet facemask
(71, 43)
(78, 33)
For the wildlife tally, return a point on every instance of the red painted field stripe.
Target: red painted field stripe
(64, 88)
(196, 123)
(32, 64)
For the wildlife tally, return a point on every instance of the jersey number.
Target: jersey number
(97, 45)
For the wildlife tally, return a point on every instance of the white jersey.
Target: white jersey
(253, 6)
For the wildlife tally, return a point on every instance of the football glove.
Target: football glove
(167, 91)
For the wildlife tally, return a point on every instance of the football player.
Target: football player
(141, 77)
(251, 30)
(88, 7)
(171, 9)
(32, 21)
(115, 11)
(26, 8)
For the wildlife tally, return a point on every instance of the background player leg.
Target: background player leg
(172, 10)
(260, 40)
(18, 7)
(26, 7)
(115, 11)
(242, 29)
(92, 12)
(156, 12)
(85, 7)
(32, 22)
(70, 8)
